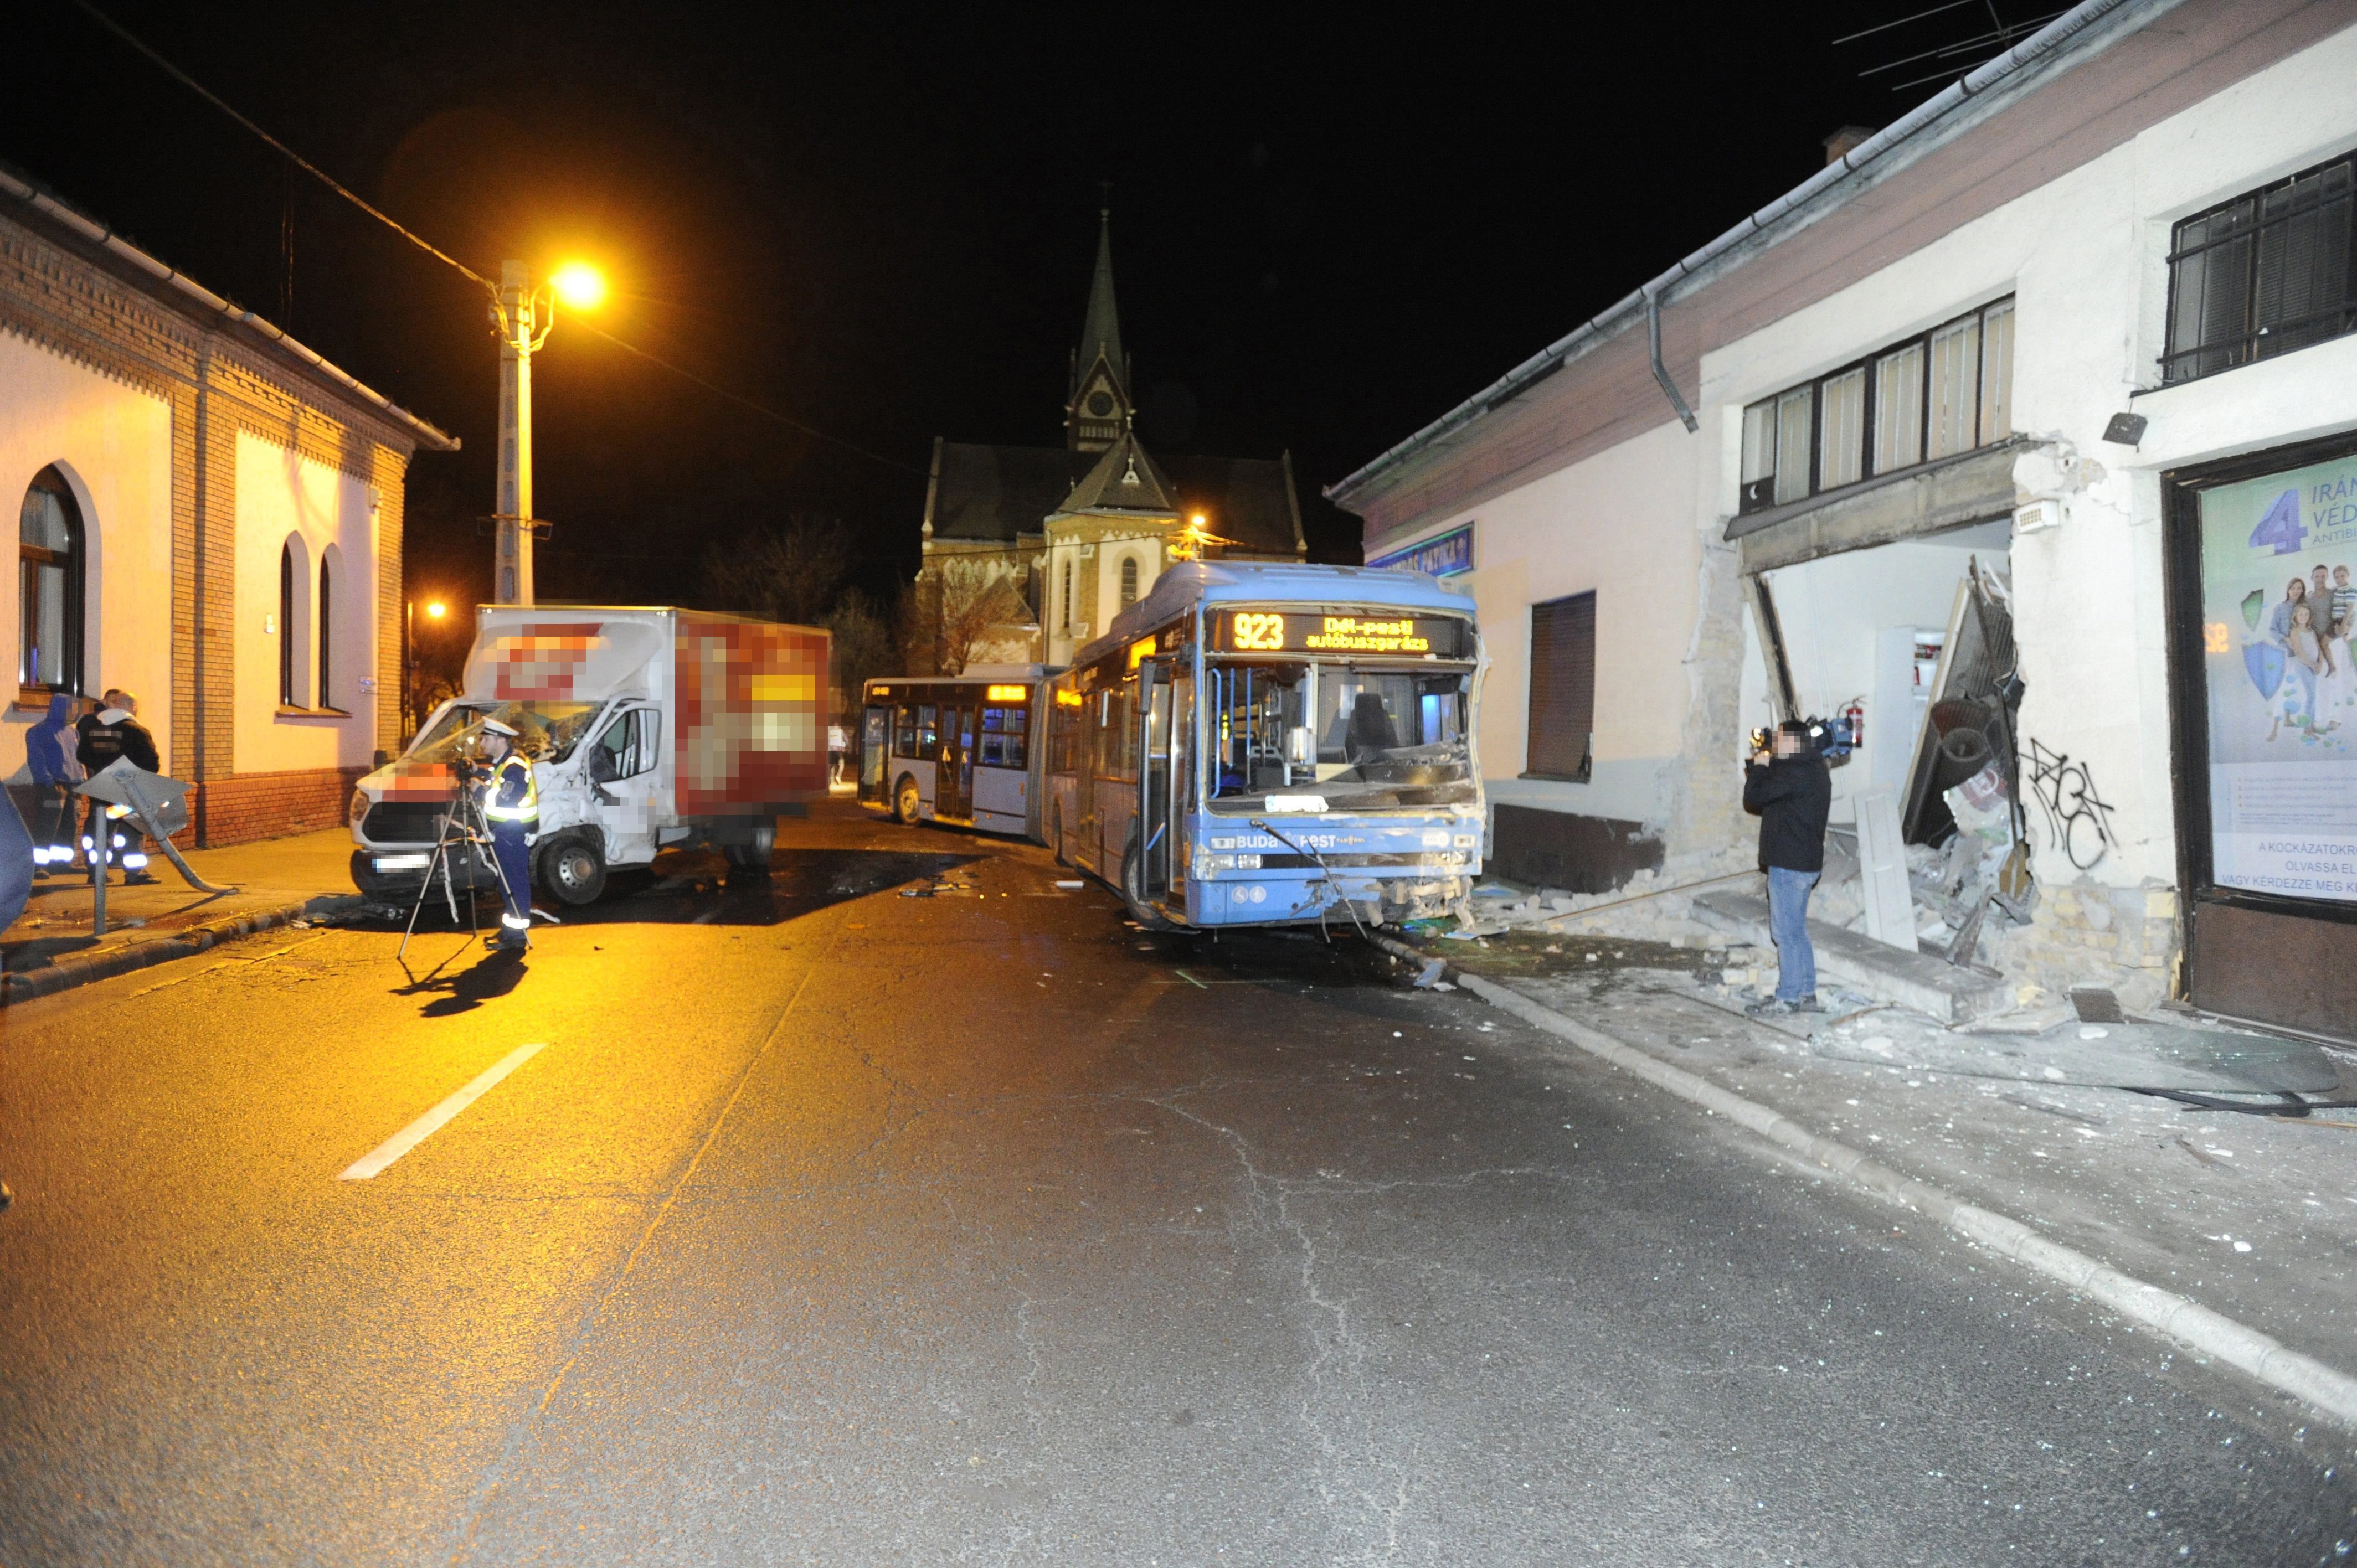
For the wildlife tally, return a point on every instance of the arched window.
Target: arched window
(327, 620)
(1128, 580)
(1068, 595)
(50, 575)
(288, 576)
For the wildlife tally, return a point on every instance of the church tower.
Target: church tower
(1098, 409)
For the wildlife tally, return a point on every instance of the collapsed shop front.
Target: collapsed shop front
(1886, 612)
(2262, 582)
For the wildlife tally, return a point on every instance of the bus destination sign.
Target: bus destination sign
(1274, 631)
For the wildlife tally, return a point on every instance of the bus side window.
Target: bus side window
(929, 730)
(906, 744)
(1019, 746)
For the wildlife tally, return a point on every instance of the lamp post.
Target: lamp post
(522, 314)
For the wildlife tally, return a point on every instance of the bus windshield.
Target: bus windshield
(546, 731)
(1363, 736)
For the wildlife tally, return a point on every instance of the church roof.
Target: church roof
(996, 494)
(1125, 479)
(1101, 327)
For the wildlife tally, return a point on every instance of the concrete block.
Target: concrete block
(1928, 985)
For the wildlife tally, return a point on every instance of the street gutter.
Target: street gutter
(2330, 1393)
(70, 971)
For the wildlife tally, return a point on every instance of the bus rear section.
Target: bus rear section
(1271, 744)
(958, 750)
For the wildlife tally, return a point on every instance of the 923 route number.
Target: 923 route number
(1257, 631)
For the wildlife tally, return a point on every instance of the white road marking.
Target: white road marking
(425, 1126)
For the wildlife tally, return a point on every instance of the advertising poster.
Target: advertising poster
(2278, 610)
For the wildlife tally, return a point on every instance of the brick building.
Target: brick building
(210, 518)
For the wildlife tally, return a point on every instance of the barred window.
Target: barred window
(2262, 274)
(1947, 391)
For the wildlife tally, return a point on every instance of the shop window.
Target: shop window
(49, 577)
(2263, 274)
(1563, 688)
(1947, 391)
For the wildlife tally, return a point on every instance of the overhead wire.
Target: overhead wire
(308, 166)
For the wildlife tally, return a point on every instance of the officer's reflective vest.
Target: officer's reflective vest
(526, 807)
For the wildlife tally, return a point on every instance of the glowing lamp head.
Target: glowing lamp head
(435, 610)
(579, 286)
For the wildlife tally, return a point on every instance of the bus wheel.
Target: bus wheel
(1133, 892)
(907, 802)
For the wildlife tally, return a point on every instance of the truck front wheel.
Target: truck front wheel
(573, 871)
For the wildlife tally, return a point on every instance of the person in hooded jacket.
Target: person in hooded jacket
(113, 731)
(1789, 790)
(49, 758)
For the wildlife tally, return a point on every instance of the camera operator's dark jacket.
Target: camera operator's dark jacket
(98, 742)
(1791, 796)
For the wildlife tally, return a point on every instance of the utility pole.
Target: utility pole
(516, 315)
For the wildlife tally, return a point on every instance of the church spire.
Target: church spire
(1098, 414)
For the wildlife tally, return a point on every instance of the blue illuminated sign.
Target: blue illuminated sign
(1442, 555)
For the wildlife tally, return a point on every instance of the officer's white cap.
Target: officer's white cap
(495, 728)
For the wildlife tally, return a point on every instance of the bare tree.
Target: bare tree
(952, 610)
(791, 572)
(864, 647)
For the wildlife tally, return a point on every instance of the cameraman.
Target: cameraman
(1790, 791)
(511, 802)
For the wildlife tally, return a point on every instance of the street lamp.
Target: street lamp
(522, 314)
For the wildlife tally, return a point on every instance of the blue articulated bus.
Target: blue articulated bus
(1254, 745)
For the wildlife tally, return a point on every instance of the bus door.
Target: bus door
(1096, 707)
(1182, 780)
(875, 750)
(954, 765)
(1154, 779)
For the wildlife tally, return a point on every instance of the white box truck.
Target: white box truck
(649, 729)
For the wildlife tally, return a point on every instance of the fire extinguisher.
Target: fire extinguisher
(1853, 725)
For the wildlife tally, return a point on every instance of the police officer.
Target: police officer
(510, 801)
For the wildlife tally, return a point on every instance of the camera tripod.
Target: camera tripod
(464, 830)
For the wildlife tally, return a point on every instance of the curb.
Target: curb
(73, 969)
(2326, 1389)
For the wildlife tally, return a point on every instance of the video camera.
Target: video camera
(1832, 738)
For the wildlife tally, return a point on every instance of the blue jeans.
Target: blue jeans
(1788, 923)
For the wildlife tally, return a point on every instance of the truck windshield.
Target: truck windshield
(1366, 738)
(547, 732)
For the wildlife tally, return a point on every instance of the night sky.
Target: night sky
(1328, 225)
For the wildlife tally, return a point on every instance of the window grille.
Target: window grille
(2263, 274)
(1944, 393)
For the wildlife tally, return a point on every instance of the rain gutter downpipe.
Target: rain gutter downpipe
(1661, 371)
(1993, 73)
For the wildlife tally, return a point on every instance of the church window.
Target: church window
(1101, 402)
(1128, 580)
(50, 587)
(1068, 595)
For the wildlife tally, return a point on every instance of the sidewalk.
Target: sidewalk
(2252, 1217)
(50, 948)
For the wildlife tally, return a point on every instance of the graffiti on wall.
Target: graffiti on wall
(2077, 820)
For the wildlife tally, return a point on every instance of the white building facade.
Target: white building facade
(209, 517)
(2002, 409)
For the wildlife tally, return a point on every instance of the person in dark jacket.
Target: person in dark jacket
(1790, 791)
(113, 731)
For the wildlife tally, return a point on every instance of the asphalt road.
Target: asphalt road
(831, 1225)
